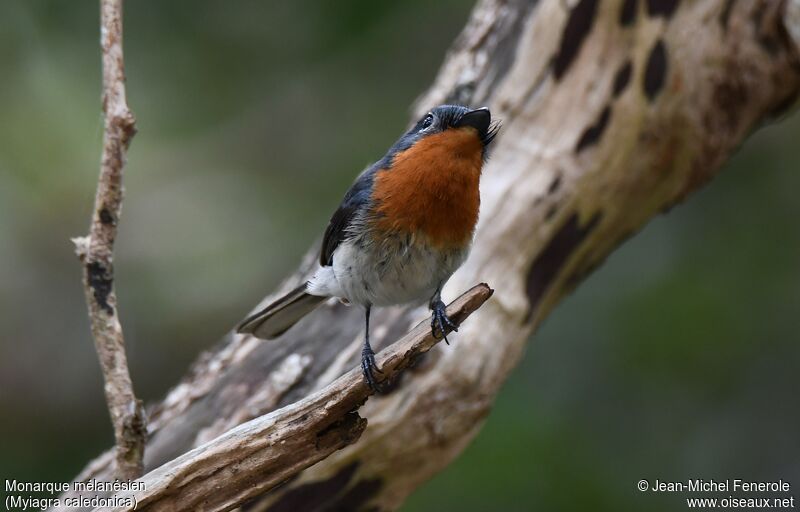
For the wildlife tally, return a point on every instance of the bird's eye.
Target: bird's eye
(427, 122)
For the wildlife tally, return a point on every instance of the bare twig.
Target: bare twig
(260, 454)
(96, 251)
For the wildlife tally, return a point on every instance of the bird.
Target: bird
(403, 228)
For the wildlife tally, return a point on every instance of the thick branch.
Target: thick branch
(262, 453)
(96, 252)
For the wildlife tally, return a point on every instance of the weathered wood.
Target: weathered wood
(613, 111)
(258, 455)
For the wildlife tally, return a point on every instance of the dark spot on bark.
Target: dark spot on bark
(358, 495)
(105, 216)
(725, 14)
(551, 212)
(575, 32)
(102, 282)
(592, 133)
(622, 78)
(315, 495)
(555, 254)
(627, 15)
(554, 184)
(655, 72)
(665, 8)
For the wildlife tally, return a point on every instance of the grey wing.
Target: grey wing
(355, 200)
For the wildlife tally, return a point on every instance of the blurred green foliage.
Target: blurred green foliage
(678, 358)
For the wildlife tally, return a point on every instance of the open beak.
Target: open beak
(479, 119)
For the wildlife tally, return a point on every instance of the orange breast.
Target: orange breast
(432, 188)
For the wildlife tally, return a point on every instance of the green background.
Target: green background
(677, 359)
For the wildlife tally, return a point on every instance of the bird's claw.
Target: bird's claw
(369, 368)
(441, 322)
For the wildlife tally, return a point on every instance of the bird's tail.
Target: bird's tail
(275, 319)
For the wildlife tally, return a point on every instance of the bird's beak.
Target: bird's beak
(478, 119)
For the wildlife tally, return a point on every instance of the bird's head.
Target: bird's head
(444, 118)
(466, 132)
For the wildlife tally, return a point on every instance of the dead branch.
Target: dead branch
(262, 453)
(96, 252)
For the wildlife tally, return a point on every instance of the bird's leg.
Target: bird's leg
(368, 364)
(440, 322)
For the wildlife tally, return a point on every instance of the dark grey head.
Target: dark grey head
(446, 117)
(455, 116)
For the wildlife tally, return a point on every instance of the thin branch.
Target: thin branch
(96, 252)
(254, 457)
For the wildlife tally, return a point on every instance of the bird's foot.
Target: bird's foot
(440, 322)
(369, 367)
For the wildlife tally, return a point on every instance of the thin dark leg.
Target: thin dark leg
(368, 364)
(440, 322)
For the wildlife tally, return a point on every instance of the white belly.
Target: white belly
(399, 270)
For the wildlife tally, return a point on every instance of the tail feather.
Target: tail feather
(278, 317)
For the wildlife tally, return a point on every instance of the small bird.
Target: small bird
(404, 226)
